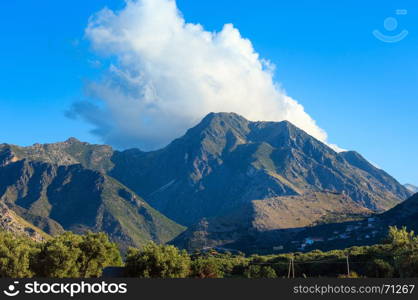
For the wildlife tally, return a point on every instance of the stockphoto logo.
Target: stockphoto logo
(64, 288)
(12, 290)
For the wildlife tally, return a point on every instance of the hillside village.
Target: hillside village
(358, 232)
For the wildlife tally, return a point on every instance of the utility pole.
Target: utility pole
(348, 267)
(293, 267)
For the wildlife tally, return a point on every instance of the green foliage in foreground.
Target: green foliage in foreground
(71, 255)
(16, 256)
(65, 256)
(157, 261)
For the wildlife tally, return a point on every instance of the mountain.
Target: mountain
(227, 161)
(227, 179)
(412, 188)
(57, 193)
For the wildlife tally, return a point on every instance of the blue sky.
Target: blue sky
(361, 90)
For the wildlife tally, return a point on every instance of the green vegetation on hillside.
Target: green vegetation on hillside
(157, 261)
(71, 255)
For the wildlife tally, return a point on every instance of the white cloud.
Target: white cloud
(167, 74)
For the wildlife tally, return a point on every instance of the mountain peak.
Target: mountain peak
(72, 140)
(222, 115)
(218, 125)
(223, 119)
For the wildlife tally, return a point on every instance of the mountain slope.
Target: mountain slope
(71, 197)
(404, 214)
(258, 216)
(361, 232)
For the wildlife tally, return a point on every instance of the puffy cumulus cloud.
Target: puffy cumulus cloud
(167, 74)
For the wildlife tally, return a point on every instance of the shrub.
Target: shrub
(157, 261)
(16, 256)
(71, 256)
(206, 268)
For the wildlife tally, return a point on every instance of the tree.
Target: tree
(209, 267)
(97, 252)
(401, 238)
(16, 256)
(71, 256)
(157, 261)
(58, 257)
(405, 251)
